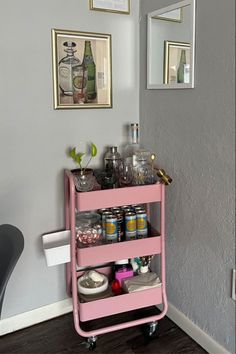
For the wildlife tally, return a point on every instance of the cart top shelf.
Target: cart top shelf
(116, 197)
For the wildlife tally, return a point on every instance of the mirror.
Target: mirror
(170, 46)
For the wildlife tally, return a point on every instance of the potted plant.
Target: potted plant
(84, 178)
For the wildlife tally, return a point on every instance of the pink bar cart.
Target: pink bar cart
(102, 254)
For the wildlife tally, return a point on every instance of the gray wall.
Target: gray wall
(192, 132)
(34, 137)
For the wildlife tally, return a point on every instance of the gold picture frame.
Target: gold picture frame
(82, 69)
(116, 6)
(172, 55)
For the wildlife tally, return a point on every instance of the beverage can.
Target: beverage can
(123, 207)
(105, 214)
(120, 226)
(115, 209)
(111, 228)
(138, 207)
(101, 211)
(142, 229)
(130, 226)
(128, 210)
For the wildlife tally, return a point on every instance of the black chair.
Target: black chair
(11, 247)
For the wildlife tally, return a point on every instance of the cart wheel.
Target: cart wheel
(91, 343)
(150, 330)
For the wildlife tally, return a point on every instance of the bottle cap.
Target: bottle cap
(113, 149)
(69, 44)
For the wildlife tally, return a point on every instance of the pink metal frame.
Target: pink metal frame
(108, 198)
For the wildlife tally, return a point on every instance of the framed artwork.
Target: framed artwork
(177, 62)
(118, 6)
(175, 15)
(82, 69)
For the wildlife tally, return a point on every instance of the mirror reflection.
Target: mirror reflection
(170, 56)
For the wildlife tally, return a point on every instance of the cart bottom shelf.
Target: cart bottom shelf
(118, 304)
(120, 318)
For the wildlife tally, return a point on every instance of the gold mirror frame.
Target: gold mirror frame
(101, 53)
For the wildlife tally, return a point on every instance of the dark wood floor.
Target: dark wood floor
(59, 336)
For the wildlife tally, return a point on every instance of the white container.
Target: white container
(57, 247)
(92, 291)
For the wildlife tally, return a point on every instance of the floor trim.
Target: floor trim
(203, 339)
(60, 308)
(30, 318)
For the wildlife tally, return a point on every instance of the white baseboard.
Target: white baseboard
(33, 317)
(203, 339)
(60, 308)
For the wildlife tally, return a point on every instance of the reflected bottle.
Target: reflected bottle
(89, 64)
(181, 68)
(65, 69)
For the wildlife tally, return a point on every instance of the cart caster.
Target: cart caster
(150, 330)
(91, 342)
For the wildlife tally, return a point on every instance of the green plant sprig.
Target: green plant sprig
(78, 157)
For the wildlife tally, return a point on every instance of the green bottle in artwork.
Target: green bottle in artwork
(181, 68)
(89, 64)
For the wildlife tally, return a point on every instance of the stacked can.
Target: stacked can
(120, 224)
(130, 226)
(104, 213)
(111, 229)
(128, 222)
(142, 229)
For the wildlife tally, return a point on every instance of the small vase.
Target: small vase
(84, 179)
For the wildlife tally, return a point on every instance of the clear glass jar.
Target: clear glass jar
(88, 229)
(112, 162)
(143, 171)
(84, 179)
(112, 159)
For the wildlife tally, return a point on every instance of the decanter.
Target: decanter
(66, 65)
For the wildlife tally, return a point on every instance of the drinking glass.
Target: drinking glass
(125, 174)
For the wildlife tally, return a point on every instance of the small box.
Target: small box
(56, 247)
(123, 274)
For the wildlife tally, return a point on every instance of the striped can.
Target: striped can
(105, 214)
(111, 229)
(142, 229)
(120, 225)
(130, 226)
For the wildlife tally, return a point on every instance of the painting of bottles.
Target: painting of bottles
(81, 69)
(177, 69)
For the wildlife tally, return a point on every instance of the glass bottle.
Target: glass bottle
(143, 171)
(133, 146)
(181, 68)
(89, 64)
(65, 69)
(79, 77)
(112, 161)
